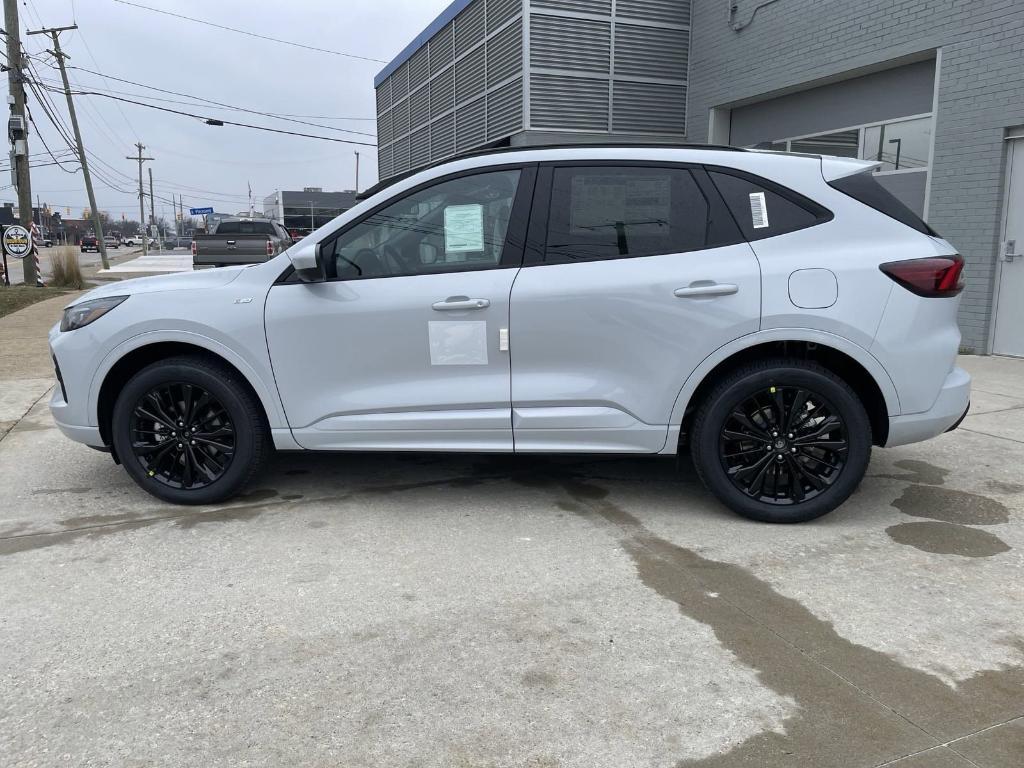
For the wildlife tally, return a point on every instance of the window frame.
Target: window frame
(537, 237)
(515, 235)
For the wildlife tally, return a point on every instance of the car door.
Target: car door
(401, 346)
(635, 275)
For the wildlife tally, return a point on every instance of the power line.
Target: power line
(250, 34)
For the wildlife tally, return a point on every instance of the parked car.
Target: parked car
(135, 240)
(239, 241)
(174, 242)
(111, 241)
(88, 243)
(776, 315)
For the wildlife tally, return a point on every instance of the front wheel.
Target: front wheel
(781, 441)
(189, 431)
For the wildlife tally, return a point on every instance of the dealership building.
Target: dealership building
(933, 90)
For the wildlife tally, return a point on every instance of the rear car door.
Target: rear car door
(634, 273)
(402, 346)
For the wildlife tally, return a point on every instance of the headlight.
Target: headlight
(82, 314)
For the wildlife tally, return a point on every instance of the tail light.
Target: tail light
(270, 248)
(935, 277)
(195, 249)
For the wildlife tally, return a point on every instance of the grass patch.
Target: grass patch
(67, 272)
(18, 297)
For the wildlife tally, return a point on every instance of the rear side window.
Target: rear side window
(763, 209)
(864, 188)
(612, 212)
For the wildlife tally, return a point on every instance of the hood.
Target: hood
(183, 281)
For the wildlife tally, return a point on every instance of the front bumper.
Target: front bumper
(80, 434)
(946, 413)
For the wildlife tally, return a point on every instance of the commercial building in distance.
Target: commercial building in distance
(933, 91)
(302, 212)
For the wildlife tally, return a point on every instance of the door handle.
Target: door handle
(704, 289)
(1008, 253)
(457, 303)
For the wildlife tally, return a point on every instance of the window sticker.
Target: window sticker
(463, 228)
(458, 343)
(758, 210)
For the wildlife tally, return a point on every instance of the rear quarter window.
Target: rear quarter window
(765, 209)
(864, 188)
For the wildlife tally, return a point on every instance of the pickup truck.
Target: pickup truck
(239, 241)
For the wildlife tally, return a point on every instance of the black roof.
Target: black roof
(533, 148)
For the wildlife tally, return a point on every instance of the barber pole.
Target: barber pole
(36, 240)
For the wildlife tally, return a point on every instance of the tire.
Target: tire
(229, 445)
(827, 442)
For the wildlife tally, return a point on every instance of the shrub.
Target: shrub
(67, 272)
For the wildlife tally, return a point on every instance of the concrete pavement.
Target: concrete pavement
(380, 610)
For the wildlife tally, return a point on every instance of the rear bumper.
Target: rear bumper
(949, 410)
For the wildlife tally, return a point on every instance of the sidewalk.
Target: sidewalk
(26, 371)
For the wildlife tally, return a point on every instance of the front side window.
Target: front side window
(606, 212)
(455, 225)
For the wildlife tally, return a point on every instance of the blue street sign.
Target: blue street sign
(200, 211)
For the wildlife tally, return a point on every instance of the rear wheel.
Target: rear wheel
(189, 431)
(781, 441)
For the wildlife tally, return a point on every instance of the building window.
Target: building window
(841, 144)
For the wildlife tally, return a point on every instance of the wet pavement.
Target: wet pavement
(370, 610)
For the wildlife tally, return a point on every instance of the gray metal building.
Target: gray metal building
(300, 212)
(933, 89)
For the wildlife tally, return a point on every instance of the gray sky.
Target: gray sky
(183, 56)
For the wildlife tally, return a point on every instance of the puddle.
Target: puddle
(951, 506)
(948, 539)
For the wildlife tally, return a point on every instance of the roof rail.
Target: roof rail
(536, 147)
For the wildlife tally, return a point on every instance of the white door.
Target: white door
(1009, 331)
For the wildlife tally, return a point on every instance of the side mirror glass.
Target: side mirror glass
(305, 258)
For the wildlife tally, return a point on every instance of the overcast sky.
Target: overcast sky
(157, 50)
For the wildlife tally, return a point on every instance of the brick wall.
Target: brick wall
(981, 93)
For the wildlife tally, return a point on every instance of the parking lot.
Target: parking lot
(490, 611)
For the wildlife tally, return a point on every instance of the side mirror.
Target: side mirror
(305, 258)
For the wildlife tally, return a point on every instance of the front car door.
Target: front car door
(638, 276)
(401, 347)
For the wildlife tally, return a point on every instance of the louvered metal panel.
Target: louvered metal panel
(469, 76)
(651, 52)
(470, 125)
(400, 119)
(505, 110)
(442, 92)
(384, 133)
(384, 96)
(420, 148)
(500, 11)
(384, 164)
(662, 11)
(649, 108)
(469, 27)
(559, 42)
(505, 54)
(402, 161)
(600, 7)
(400, 83)
(442, 137)
(442, 47)
(568, 102)
(419, 108)
(419, 68)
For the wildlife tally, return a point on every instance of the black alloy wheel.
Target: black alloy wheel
(182, 436)
(785, 445)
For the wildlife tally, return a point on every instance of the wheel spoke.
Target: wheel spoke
(796, 488)
(745, 422)
(797, 409)
(830, 423)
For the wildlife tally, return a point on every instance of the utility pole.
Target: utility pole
(357, 172)
(18, 130)
(54, 33)
(142, 198)
(152, 212)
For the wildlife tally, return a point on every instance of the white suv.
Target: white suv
(779, 314)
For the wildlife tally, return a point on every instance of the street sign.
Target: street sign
(200, 211)
(17, 241)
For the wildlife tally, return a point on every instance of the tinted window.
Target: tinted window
(615, 212)
(863, 187)
(245, 228)
(763, 209)
(455, 225)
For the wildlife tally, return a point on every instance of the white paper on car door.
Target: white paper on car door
(458, 342)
